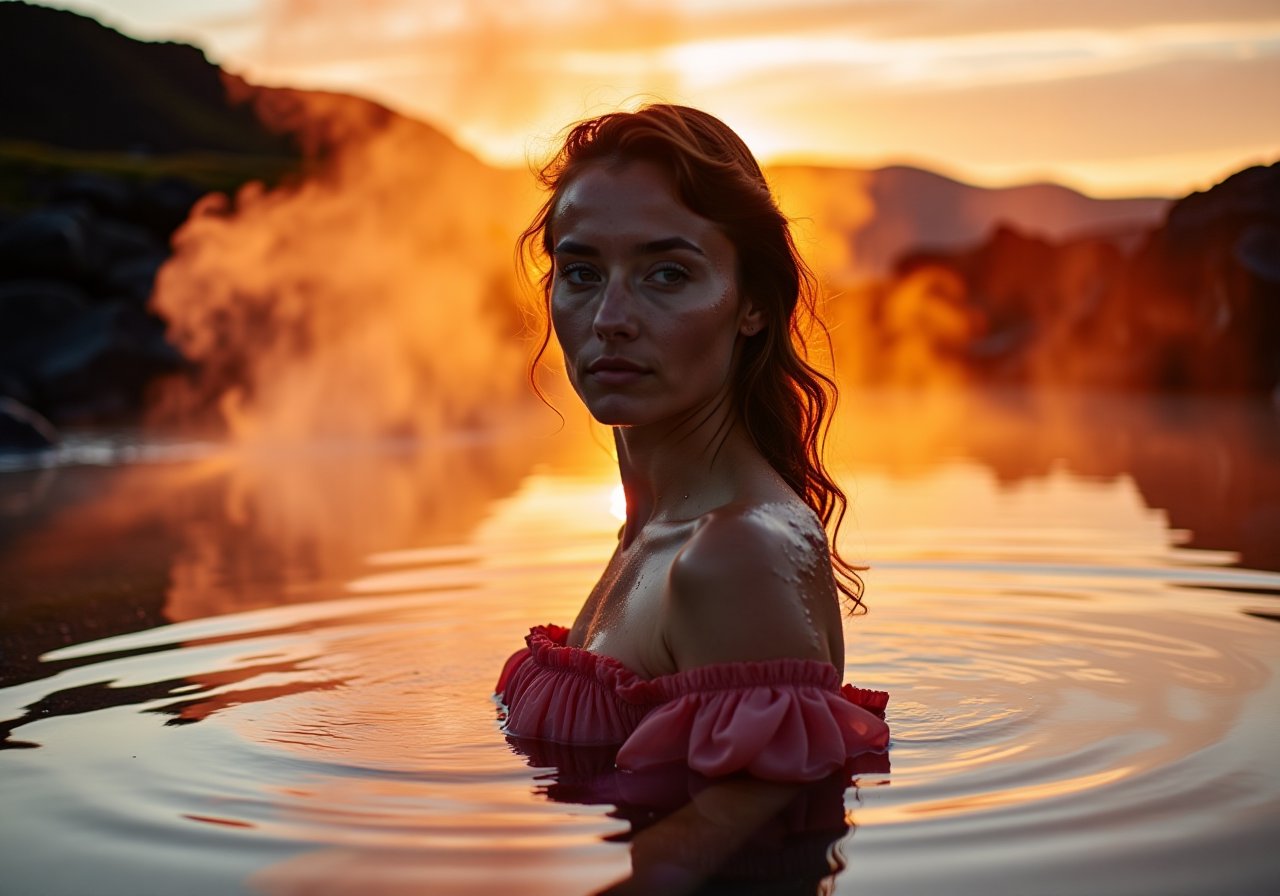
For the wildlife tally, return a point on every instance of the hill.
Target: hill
(867, 219)
(69, 82)
(1194, 305)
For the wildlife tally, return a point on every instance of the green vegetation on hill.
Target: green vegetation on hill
(80, 97)
(24, 167)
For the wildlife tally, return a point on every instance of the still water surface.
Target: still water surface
(270, 671)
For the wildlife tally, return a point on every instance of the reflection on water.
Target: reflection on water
(89, 551)
(271, 673)
(687, 831)
(1207, 463)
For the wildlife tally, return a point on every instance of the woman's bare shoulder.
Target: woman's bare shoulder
(748, 585)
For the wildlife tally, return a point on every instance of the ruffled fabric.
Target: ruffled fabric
(566, 694)
(782, 720)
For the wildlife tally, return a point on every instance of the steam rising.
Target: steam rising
(375, 297)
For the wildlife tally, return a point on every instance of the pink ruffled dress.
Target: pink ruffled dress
(782, 720)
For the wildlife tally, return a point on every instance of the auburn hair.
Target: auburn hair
(783, 401)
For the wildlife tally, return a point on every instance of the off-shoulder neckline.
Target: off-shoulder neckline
(548, 647)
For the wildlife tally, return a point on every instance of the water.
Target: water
(271, 672)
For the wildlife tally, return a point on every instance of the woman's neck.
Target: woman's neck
(678, 472)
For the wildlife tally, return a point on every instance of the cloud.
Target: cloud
(1089, 80)
(935, 18)
(1200, 117)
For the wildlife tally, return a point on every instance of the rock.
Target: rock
(164, 203)
(31, 313)
(1196, 307)
(1203, 294)
(115, 240)
(98, 366)
(36, 302)
(1249, 194)
(1257, 250)
(109, 257)
(106, 195)
(1029, 301)
(12, 387)
(22, 430)
(46, 243)
(132, 280)
(129, 257)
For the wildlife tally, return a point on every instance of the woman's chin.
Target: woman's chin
(614, 410)
(613, 418)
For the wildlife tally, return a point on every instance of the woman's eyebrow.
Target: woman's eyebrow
(570, 247)
(672, 242)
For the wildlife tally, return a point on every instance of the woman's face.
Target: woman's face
(645, 299)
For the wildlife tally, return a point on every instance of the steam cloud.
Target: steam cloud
(374, 297)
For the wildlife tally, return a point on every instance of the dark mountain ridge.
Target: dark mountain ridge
(67, 81)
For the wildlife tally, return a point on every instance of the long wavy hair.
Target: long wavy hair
(782, 401)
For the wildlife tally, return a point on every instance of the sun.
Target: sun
(618, 503)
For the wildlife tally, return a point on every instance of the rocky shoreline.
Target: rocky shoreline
(77, 341)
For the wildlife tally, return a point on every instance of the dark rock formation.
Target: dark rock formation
(1202, 296)
(23, 430)
(94, 125)
(76, 340)
(67, 81)
(1195, 307)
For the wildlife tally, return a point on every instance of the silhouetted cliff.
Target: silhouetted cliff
(106, 144)
(67, 81)
(1194, 307)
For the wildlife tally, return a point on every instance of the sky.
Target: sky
(1113, 97)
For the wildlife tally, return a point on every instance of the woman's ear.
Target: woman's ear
(752, 320)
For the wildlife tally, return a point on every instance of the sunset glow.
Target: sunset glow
(1115, 99)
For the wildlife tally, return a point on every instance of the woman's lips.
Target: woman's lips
(616, 371)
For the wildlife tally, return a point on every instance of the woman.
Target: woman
(713, 638)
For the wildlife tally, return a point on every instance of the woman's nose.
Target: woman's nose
(615, 315)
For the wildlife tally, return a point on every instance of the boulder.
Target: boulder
(115, 240)
(1205, 289)
(1257, 250)
(22, 430)
(98, 366)
(31, 313)
(105, 194)
(164, 203)
(132, 279)
(49, 242)
(15, 388)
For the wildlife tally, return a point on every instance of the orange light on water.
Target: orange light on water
(618, 503)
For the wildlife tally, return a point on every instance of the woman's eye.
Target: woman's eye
(579, 275)
(670, 275)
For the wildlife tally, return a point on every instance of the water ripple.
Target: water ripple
(358, 731)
